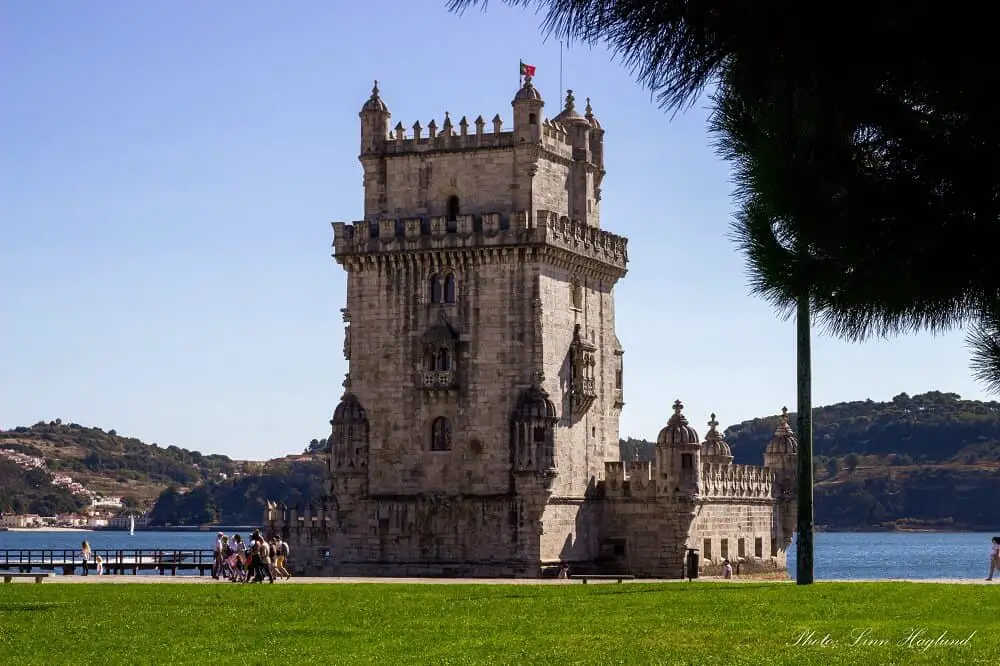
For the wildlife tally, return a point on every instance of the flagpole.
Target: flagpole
(560, 67)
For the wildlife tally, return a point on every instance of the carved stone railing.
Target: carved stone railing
(438, 379)
(583, 393)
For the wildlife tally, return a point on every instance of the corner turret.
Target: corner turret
(374, 123)
(678, 454)
(528, 106)
(782, 458)
(783, 450)
(715, 449)
(348, 447)
(596, 149)
(569, 115)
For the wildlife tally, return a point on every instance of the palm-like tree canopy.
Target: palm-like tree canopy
(865, 141)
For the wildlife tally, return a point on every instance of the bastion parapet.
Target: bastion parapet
(641, 479)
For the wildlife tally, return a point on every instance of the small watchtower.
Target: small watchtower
(678, 454)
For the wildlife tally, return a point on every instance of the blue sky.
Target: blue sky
(169, 171)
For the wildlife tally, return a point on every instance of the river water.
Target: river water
(838, 555)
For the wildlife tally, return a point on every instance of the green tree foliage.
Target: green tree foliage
(832, 467)
(958, 498)
(939, 427)
(242, 500)
(862, 157)
(316, 446)
(111, 455)
(31, 491)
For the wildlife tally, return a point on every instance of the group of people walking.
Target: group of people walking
(252, 561)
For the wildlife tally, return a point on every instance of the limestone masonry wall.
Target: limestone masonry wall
(490, 323)
(741, 531)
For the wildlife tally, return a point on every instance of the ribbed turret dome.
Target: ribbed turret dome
(677, 432)
(570, 114)
(527, 92)
(715, 448)
(784, 441)
(534, 405)
(349, 411)
(375, 102)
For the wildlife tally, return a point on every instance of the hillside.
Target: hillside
(96, 461)
(295, 480)
(926, 461)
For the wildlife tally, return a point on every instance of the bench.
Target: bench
(617, 577)
(9, 576)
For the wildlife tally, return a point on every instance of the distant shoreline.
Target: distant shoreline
(905, 529)
(48, 529)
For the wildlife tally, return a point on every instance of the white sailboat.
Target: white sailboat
(131, 524)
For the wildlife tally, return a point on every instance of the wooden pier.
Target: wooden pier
(116, 561)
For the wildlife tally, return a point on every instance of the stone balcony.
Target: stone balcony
(437, 379)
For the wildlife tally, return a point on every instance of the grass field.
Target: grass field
(700, 623)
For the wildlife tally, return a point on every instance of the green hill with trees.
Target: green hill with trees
(298, 481)
(103, 462)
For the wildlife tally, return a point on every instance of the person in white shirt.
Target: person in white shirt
(217, 563)
(994, 557)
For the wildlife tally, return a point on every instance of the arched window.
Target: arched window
(443, 360)
(449, 288)
(430, 360)
(441, 435)
(452, 215)
(435, 289)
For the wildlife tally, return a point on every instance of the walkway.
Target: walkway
(201, 580)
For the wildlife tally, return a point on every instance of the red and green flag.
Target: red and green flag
(527, 70)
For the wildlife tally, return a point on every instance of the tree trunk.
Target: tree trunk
(804, 539)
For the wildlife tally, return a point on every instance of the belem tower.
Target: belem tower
(478, 431)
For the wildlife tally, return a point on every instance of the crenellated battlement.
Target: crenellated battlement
(556, 139)
(311, 518)
(725, 481)
(479, 134)
(449, 136)
(635, 478)
(638, 479)
(487, 230)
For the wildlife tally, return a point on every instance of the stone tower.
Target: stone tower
(478, 430)
(485, 377)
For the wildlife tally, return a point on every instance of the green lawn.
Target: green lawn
(288, 625)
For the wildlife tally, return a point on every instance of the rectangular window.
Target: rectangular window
(758, 548)
(774, 547)
(687, 461)
(725, 549)
(707, 549)
(618, 379)
(741, 547)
